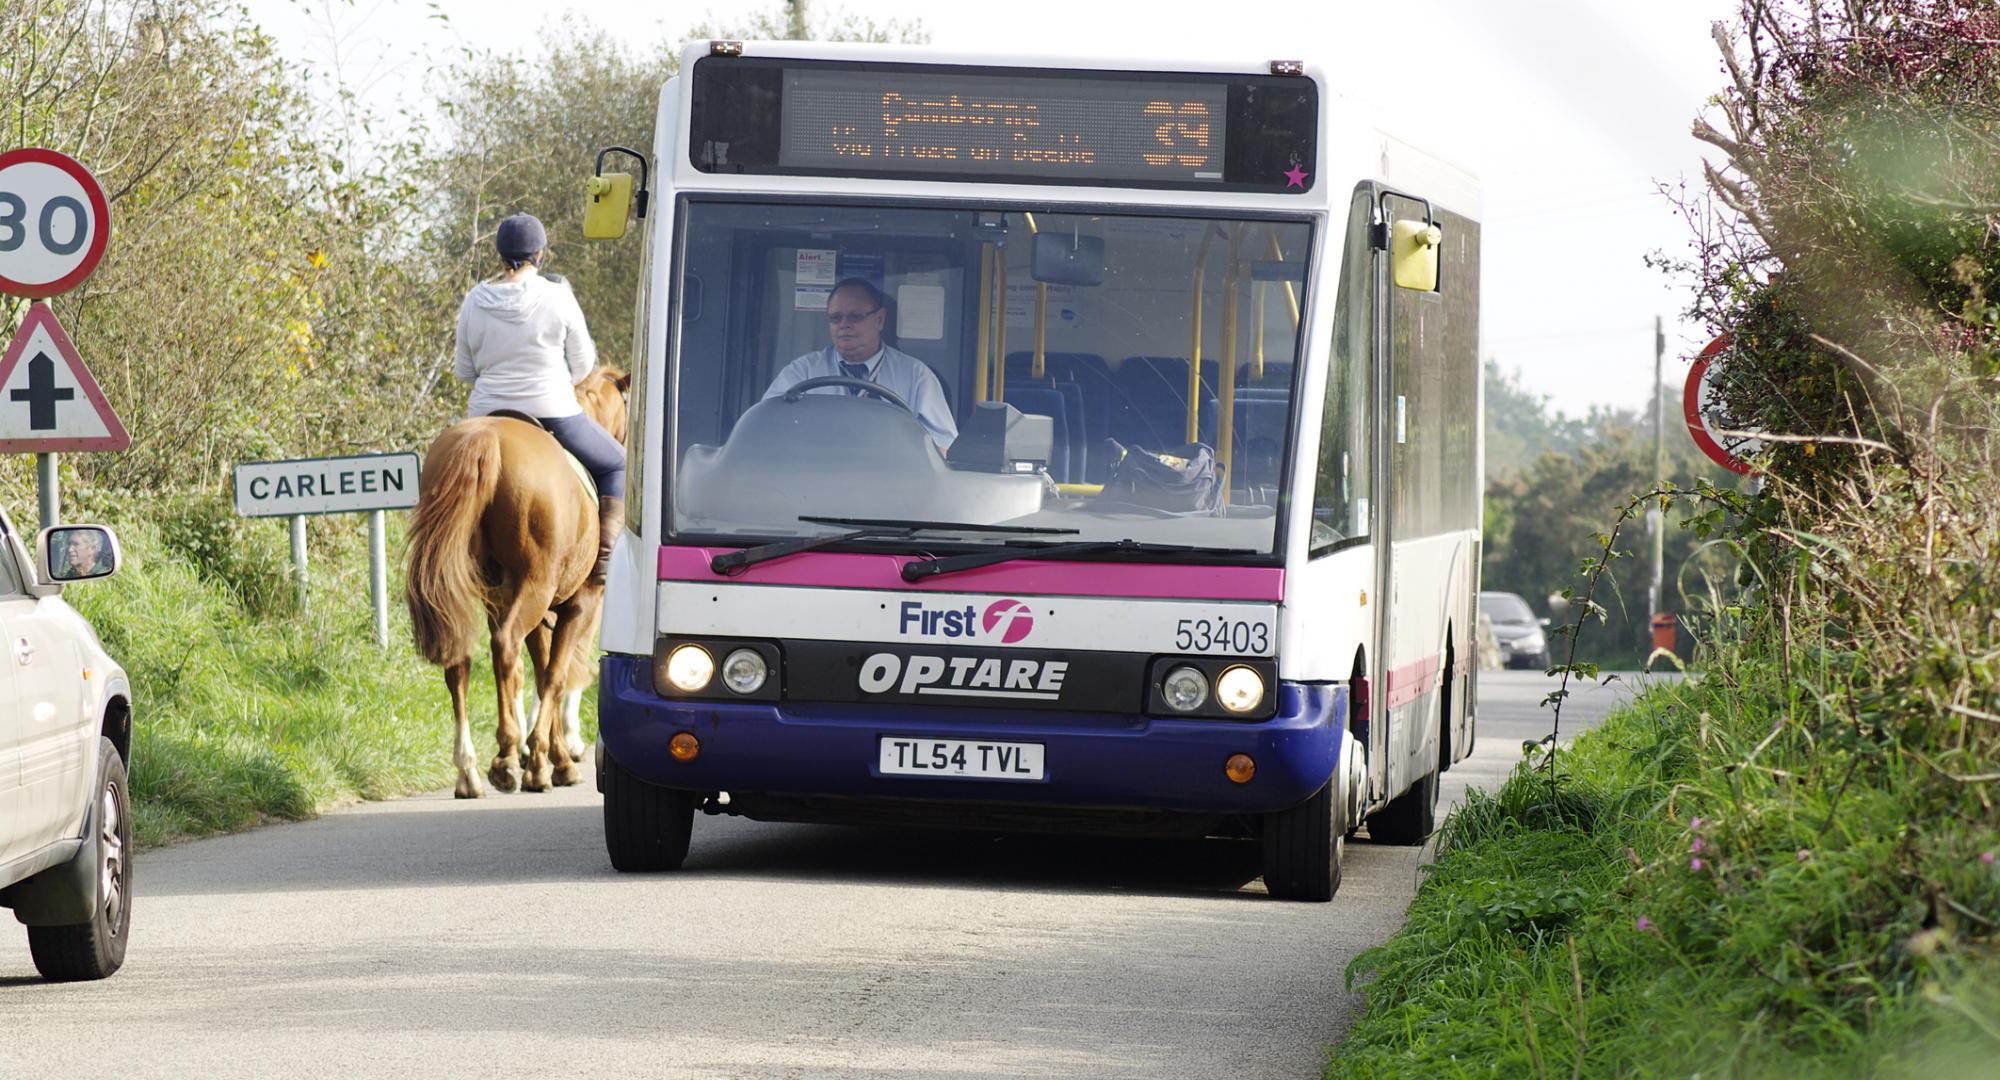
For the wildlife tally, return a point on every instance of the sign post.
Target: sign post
(363, 483)
(54, 226)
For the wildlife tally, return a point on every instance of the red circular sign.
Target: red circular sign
(54, 223)
(1695, 398)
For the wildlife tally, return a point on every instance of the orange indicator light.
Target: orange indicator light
(684, 746)
(1240, 768)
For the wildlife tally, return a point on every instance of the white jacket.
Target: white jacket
(522, 344)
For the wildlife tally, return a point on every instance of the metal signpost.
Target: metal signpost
(54, 227)
(363, 483)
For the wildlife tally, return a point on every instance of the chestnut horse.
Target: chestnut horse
(504, 523)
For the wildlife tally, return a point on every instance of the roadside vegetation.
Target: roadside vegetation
(282, 281)
(1786, 866)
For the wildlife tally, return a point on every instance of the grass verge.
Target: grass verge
(1683, 901)
(247, 710)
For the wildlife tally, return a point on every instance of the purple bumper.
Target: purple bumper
(1092, 760)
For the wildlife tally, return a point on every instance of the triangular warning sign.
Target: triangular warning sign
(48, 401)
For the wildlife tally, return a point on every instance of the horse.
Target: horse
(504, 523)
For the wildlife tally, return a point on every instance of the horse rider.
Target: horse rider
(523, 346)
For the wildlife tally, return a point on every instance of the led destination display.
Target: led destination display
(1004, 125)
(1113, 130)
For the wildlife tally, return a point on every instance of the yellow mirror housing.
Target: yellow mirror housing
(607, 206)
(1413, 255)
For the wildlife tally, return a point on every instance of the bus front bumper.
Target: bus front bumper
(1091, 760)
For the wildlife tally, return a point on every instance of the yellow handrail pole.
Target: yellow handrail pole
(1194, 345)
(980, 355)
(1040, 369)
(1000, 330)
(1257, 313)
(1291, 291)
(1225, 422)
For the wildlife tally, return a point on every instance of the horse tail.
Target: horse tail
(443, 584)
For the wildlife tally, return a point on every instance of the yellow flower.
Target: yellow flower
(317, 259)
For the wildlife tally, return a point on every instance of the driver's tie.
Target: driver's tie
(854, 371)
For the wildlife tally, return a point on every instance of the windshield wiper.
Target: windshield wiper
(730, 561)
(952, 564)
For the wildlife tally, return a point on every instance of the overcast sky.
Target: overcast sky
(1569, 111)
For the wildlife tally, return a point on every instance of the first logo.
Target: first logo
(54, 223)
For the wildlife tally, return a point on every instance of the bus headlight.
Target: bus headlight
(1239, 690)
(744, 671)
(689, 668)
(1185, 689)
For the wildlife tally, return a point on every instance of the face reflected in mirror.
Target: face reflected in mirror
(79, 553)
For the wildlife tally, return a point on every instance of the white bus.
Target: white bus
(1133, 484)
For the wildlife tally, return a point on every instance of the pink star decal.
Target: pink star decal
(1295, 177)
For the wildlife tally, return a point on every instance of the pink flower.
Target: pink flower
(1645, 925)
(1697, 845)
(1694, 823)
(1694, 864)
(1986, 858)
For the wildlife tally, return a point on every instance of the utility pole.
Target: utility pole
(1654, 516)
(795, 20)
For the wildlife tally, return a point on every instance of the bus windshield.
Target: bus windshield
(1111, 376)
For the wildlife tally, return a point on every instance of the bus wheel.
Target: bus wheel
(646, 827)
(1303, 847)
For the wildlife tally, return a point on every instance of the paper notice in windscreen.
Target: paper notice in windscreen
(817, 266)
(920, 312)
(811, 298)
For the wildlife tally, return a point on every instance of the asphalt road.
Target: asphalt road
(431, 937)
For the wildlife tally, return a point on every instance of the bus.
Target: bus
(1036, 447)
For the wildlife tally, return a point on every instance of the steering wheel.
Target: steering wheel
(865, 385)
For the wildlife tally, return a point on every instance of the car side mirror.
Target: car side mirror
(1413, 255)
(68, 553)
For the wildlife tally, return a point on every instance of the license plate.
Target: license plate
(958, 757)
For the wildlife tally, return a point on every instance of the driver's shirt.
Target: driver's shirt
(893, 370)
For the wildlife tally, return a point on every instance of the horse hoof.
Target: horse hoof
(506, 776)
(468, 788)
(568, 775)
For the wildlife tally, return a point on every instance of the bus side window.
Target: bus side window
(1341, 493)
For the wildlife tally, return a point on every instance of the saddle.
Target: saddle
(575, 465)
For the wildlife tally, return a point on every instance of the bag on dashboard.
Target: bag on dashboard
(1185, 481)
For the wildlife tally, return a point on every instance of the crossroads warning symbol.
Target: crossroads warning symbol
(48, 401)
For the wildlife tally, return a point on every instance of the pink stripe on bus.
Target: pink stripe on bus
(849, 570)
(1412, 681)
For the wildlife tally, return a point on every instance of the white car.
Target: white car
(65, 739)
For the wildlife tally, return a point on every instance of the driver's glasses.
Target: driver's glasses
(848, 318)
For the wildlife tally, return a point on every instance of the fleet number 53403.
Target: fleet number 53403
(1222, 635)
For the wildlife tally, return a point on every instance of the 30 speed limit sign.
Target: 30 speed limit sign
(54, 223)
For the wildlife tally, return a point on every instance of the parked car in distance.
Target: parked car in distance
(1520, 635)
(65, 743)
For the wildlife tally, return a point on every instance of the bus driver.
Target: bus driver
(855, 314)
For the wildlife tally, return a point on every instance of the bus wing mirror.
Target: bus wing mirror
(607, 206)
(1413, 255)
(1067, 260)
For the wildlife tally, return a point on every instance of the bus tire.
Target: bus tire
(646, 827)
(1303, 848)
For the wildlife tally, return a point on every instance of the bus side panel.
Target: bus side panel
(633, 587)
(1432, 440)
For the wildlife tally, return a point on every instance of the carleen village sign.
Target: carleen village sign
(363, 483)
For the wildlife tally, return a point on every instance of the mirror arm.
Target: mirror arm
(1378, 231)
(643, 195)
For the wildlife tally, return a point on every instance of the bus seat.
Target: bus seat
(1089, 413)
(1277, 375)
(1047, 401)
(1155, 389)
(1259, 439)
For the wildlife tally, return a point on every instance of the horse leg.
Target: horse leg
(458, 679)
(530, 707)
(572, 715)
(570, 622)
(505, 769)
(522, 612)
